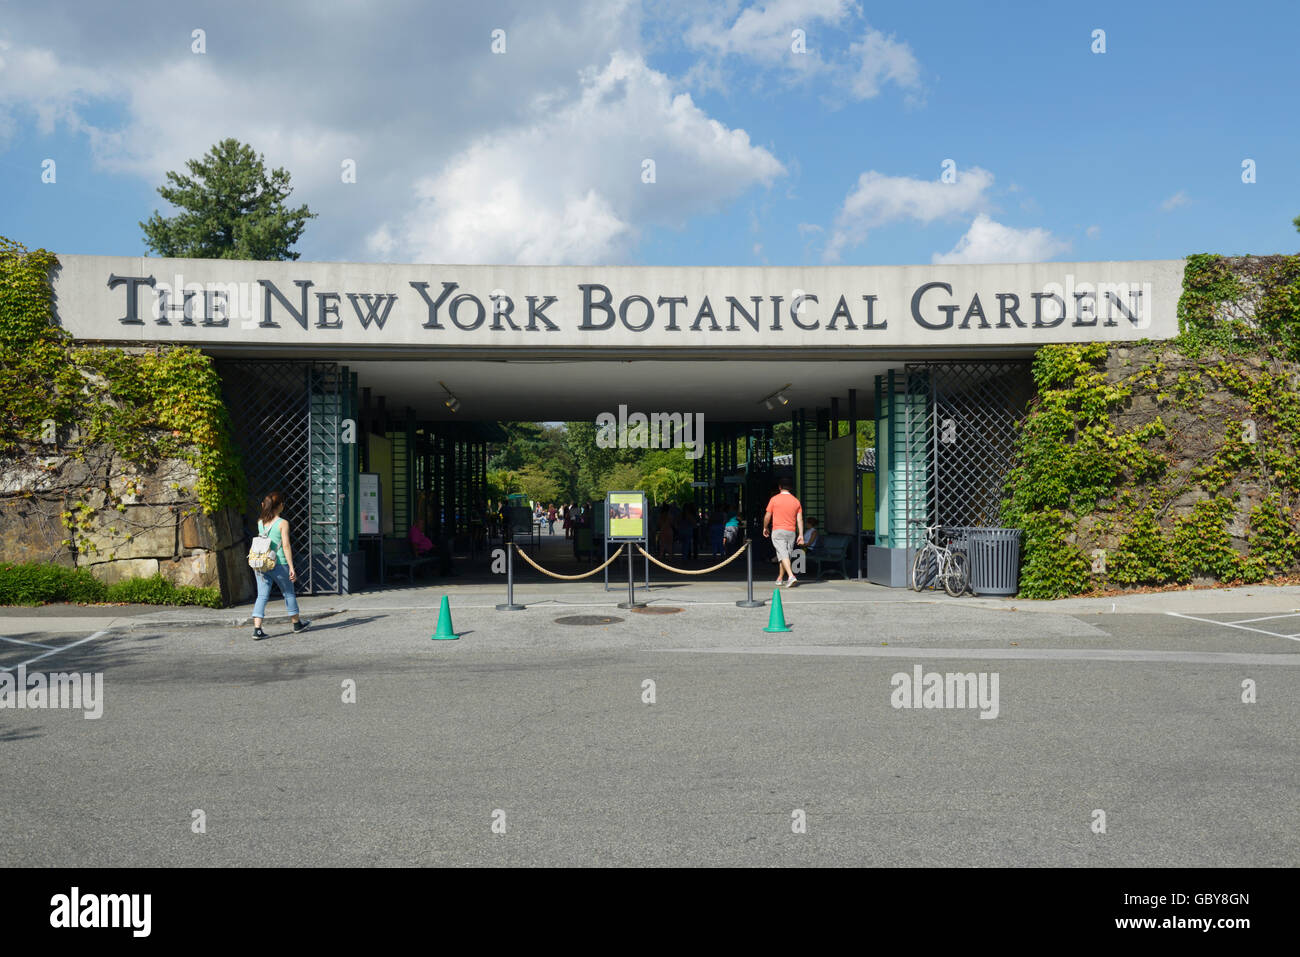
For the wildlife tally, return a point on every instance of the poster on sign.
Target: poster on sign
(626, 512)
(368, 503)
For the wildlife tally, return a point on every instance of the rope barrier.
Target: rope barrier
(703, 571)
(570, 578)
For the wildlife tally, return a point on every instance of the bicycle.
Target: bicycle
(939, 561)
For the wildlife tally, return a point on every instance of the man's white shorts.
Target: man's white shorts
(783, 542)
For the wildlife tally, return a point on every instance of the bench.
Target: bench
(398, 553)
(832, 548)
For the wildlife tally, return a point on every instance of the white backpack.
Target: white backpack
(261, 556)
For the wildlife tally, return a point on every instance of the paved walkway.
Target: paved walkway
(476, 587)
(1249, 602)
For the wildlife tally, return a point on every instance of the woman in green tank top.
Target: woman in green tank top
(273, 526)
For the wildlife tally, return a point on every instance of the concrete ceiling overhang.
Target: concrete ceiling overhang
(722, 389)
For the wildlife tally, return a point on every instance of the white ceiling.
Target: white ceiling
(544, 390)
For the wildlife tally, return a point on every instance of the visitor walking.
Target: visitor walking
(271, 525)
(665, 531)
(783, 522)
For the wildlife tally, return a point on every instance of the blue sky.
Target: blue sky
(762, 154)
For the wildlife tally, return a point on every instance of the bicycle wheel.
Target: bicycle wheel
(956, 575)
(924, 569)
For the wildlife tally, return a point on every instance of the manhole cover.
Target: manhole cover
(588, 620)
(656, 610)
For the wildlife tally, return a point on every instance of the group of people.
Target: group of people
(567, 516)
(679, 529)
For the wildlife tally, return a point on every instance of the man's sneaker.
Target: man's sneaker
(259, 634)
(300, 625)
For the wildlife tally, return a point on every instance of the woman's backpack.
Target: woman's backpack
(261, 556)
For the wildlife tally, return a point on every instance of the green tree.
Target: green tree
(231, 208)
(538, 485)
(580, 440)
(624, 475)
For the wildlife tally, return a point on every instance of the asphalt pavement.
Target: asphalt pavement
(689, 736)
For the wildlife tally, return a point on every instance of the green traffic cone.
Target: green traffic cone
(445, 631)
(776, 620)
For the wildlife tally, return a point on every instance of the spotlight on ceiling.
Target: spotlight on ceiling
(772, 398)
(451, 402)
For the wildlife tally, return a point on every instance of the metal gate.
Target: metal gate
(287, 420)
(960, 422)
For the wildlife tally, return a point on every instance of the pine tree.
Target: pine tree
(231, 208)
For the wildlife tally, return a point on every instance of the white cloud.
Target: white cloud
(1179, 198)
(990, 242)
(882, 59)
(33, 80)
(568, 187)
(763, 33)
(1092, 232)
(531, 155)
(878, 200)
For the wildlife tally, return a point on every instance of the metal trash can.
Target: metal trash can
(994, 561)
(959, 537)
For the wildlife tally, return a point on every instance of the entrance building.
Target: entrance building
(335, 371)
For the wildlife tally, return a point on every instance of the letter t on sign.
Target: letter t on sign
(132, 317)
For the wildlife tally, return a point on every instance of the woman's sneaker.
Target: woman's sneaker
(258, 634)
(300, 626)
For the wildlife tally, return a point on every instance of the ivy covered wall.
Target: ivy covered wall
(119, 460)
(1169, 463)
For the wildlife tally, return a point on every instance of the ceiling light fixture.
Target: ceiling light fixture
(451, 402)
(772, 398)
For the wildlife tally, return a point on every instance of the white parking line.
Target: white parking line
(1244, 621)
(1231, 624)
(19, 641)
(55, 651)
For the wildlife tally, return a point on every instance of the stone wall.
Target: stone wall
(156, 529)
(1196, 430)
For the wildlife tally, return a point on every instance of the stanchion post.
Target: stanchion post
(510, 581)
(749, 580)
(631, 581)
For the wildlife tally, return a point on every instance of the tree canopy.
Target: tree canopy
(231, 208)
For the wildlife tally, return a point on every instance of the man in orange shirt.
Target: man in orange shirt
(783, 521)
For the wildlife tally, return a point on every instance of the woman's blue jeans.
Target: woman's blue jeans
(280, 575)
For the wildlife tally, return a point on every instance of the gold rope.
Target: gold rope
(703, 571)
(569, 578)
